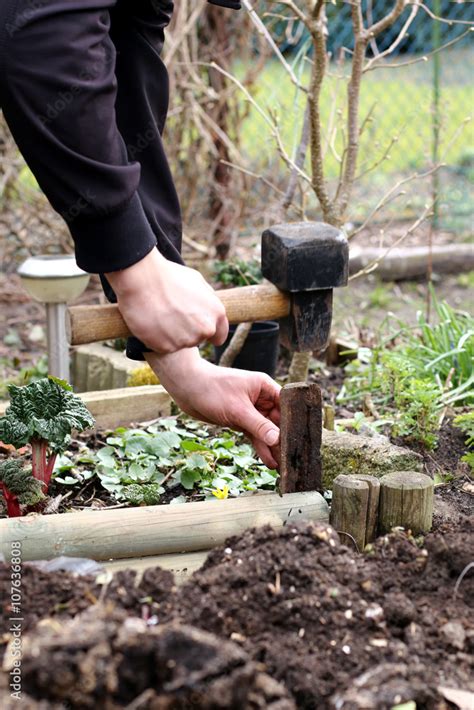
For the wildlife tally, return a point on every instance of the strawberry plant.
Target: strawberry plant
(43, 415)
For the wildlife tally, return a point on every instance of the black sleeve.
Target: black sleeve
(58, 91)
(233, 4)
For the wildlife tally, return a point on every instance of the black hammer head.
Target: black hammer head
(308, 260)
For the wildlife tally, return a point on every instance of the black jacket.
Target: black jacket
(85, 94)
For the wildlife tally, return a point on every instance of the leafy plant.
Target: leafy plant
(137, 464)
(413, 373)
(18, 487)
(42, 414)
(238, 272)
(465, 422)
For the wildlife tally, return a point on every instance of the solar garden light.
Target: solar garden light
(54, 280)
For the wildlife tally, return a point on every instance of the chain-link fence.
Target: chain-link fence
(415, 106)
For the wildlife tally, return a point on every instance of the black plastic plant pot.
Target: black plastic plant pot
(260, 351)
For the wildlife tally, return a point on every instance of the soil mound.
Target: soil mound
(105, 657)
(277, 619)
(342, 630)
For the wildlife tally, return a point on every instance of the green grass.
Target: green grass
(401, 100)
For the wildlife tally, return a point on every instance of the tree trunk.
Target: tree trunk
(219, 35)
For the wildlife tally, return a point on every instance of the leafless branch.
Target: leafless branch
(427, 212)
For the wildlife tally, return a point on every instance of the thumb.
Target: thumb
(258, 426)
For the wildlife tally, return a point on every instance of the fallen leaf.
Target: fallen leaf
(468, 488)
(8, 448)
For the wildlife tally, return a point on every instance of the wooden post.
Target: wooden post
(301, 430)
(406, 500)
(354, 508)
(329, 418)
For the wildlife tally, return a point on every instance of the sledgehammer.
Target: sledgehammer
(303, 262)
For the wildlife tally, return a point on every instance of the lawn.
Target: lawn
(401, 105)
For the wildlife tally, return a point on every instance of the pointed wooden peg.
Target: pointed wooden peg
(301, 429)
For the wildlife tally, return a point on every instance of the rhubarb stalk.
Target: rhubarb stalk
(11, 501)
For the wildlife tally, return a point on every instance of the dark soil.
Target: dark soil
(63, 595)
(337, 629)
(341, 630)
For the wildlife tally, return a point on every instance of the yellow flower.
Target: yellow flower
(143, 375)
(221, 493)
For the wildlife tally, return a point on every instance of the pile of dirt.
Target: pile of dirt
(105, 656)
(62, 595)
(292, 609)
(338, 629)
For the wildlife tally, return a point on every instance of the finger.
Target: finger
(274, 416)
(265, 453)
(222, 331)
(258, 426)
(269, 390)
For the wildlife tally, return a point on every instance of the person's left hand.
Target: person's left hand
(239, 399)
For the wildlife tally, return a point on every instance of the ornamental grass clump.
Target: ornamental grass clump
(42, 414)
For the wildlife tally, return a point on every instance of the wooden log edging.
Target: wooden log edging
(364, 506)
(354, 509)
(406, 500)
(182, 565)
(123, 406)
(412, 262)
(154, 530)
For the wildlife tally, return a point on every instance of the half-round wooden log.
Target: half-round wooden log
(90, 324)
(411, 262)
(354, 507)
(406, 500)
(154, 530)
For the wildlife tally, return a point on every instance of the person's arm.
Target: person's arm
(58, 99)
(58, 91)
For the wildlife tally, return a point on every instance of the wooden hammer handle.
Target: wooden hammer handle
(90, 324)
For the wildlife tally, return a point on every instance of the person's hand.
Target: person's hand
(168, 306)
(247, 401)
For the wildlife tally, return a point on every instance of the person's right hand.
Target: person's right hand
(168, 306)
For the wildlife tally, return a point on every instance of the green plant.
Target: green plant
(43, 414)
(238, 272)
(380, 296)
(18, 487)
(466, 280)
(413, 373)
(26, 374)
(137, 464)
(465, 422)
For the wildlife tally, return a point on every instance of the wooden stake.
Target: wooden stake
(406, 500)
(329, 418)
(354, 508)
(301, 430)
